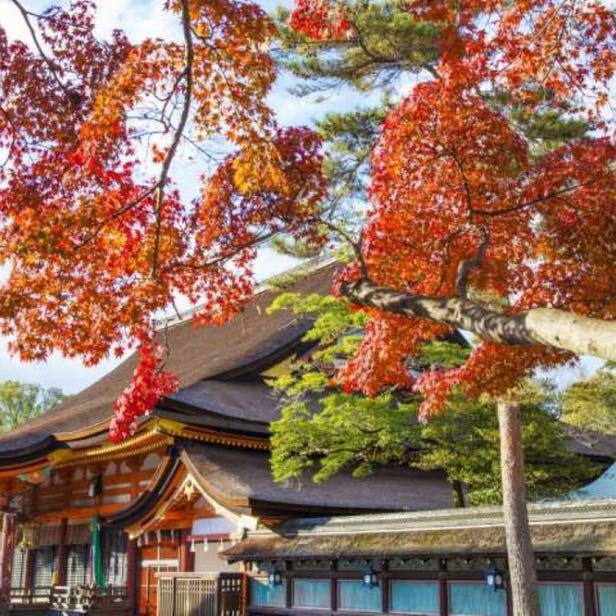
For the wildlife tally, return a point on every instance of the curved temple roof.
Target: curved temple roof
(219, 423)
(242, 482)
(202, 358)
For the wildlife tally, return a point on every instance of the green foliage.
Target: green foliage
(323, 431)
(350, 139)
(464, 441)
(21, 402)
(592, 403)
(442, 354)
(387, 42)
(346, 432)
(336, 327)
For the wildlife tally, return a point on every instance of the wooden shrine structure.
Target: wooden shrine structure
(160, 510)
(193, 478)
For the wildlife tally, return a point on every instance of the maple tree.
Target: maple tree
(474, 224)
(94, 233)
(97, 237)
(469, 224)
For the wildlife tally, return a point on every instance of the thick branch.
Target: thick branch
(548, 326)
(465, 267)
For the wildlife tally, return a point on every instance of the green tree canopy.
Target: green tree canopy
(21, 402)
(323, 430)
(592, 403)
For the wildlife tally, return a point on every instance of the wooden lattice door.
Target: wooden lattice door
(154, 560)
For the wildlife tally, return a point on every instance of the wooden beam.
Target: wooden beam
(79, 513)
(62, 557)
(7, 548)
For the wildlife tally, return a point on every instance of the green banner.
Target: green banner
(97, 554)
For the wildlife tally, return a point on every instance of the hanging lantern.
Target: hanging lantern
(274, 577)
(29, 536)
(495, 579)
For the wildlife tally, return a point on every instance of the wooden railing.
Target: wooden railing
(73, 600)
(30, 596)
(201, 594)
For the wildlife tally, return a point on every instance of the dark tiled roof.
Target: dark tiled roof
(590, 442)
(248, 340)
(241, 480)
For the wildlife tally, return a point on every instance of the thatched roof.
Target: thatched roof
(252, 340)
(563, 528)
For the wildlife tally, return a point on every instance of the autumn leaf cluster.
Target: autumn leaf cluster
(98, 237)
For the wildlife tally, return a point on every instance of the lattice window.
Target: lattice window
(115, 557)
(18, 576)
(77, 565)
(44, 566)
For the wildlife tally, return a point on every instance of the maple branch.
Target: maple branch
(355, 245)
(164, 172)
(466, 265)
(520, 206)
(26, 16)
(465, 183)
(255, 241)
(125, 208)
(539, 326)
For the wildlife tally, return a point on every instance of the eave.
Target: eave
(30, 454)
(566, 528)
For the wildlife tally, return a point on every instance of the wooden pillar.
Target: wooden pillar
(385, 587)
(29, 568)
(61, 562)
(288, 575)
(590, 601)
(187, 558)
(442, 587)
(131, 570)
(334, 587)
(7, 548)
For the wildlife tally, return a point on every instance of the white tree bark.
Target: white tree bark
(548, 326)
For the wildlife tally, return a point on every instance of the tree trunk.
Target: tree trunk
(458, 494)
(521, 559)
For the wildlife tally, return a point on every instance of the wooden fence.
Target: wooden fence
(201, 594)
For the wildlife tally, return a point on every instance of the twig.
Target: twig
(164, 172)
(25, 14)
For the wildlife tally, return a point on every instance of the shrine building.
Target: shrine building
(183, 518)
